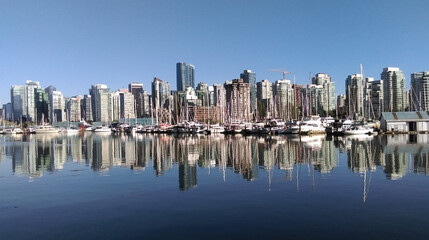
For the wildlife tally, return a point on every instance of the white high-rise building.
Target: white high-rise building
(394, 93)
(284, 99)
(326, 100)
(31, 101)
(264, 96)
(101, 103)
(355, 95)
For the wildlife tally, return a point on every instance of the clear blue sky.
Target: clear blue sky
(74, 44)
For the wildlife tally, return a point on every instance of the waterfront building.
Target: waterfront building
(58, 106)
(123, 105)
(250, 77)
(238, 100)
(264, 96)
(394, 94)
(7, 111)
(161, 99)
(23, 101)
(405, 121)
(310, 100)
(354, 94)
(101, 103)
(284, 99)
(136, 89)
(74, 108)
(43, 106)
(326, 100)
(373, 98)
(18, 98)
(184, 76)
(143, 105)
(31, 103)
(420, 91)
(341, 104)
(87, 108)
(297, 91)
(219, 100)
(202, 93)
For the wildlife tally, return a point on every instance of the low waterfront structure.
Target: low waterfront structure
(404, 122)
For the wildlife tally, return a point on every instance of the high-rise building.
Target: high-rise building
(264, 96)
(238, 98)
(101, 103)
(18, 98)
(219, 101)
(136, 89)
(355, 93)
(341, 104)
(327, 95)
(250, 77)
(373, 98)
(74, 108)
(420, 91)
(185, 76)
(43, 106)
(283, 95)
(31, 102)
(160, 99)
(87, 108)
(394, 94)
(143, 104)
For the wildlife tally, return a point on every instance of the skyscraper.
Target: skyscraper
(238, 98)
(31, 102)
(327, 95)
(355, 94)
(185, 76)
(250, 77)
(137, 89)
(101, 103)
(394, 94)
(283, 94)
(420, 91)
(160, 98)
(18, 98)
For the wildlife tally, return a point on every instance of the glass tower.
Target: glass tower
(185, 76)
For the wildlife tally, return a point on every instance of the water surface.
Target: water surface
(98, 186)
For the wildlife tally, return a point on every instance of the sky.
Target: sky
(75, 44)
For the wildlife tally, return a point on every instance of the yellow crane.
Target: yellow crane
(282, 71)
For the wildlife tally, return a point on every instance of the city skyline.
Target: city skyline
(73, 45)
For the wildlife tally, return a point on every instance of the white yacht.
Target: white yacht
(357, 130)
(46, 129)
(310, 125)
(102, 129)
(217, 128)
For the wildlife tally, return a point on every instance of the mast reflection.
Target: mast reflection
(397, 155)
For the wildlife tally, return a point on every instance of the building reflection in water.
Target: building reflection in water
(32, 155)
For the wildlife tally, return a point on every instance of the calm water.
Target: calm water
(213, 187)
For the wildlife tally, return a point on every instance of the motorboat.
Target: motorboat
(46, 129)
(14, 130)
(216, 128)
(71, 131)
(357, 130)
(102, 129)
(310, 125)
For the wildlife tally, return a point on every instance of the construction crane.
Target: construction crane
(282, 71)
